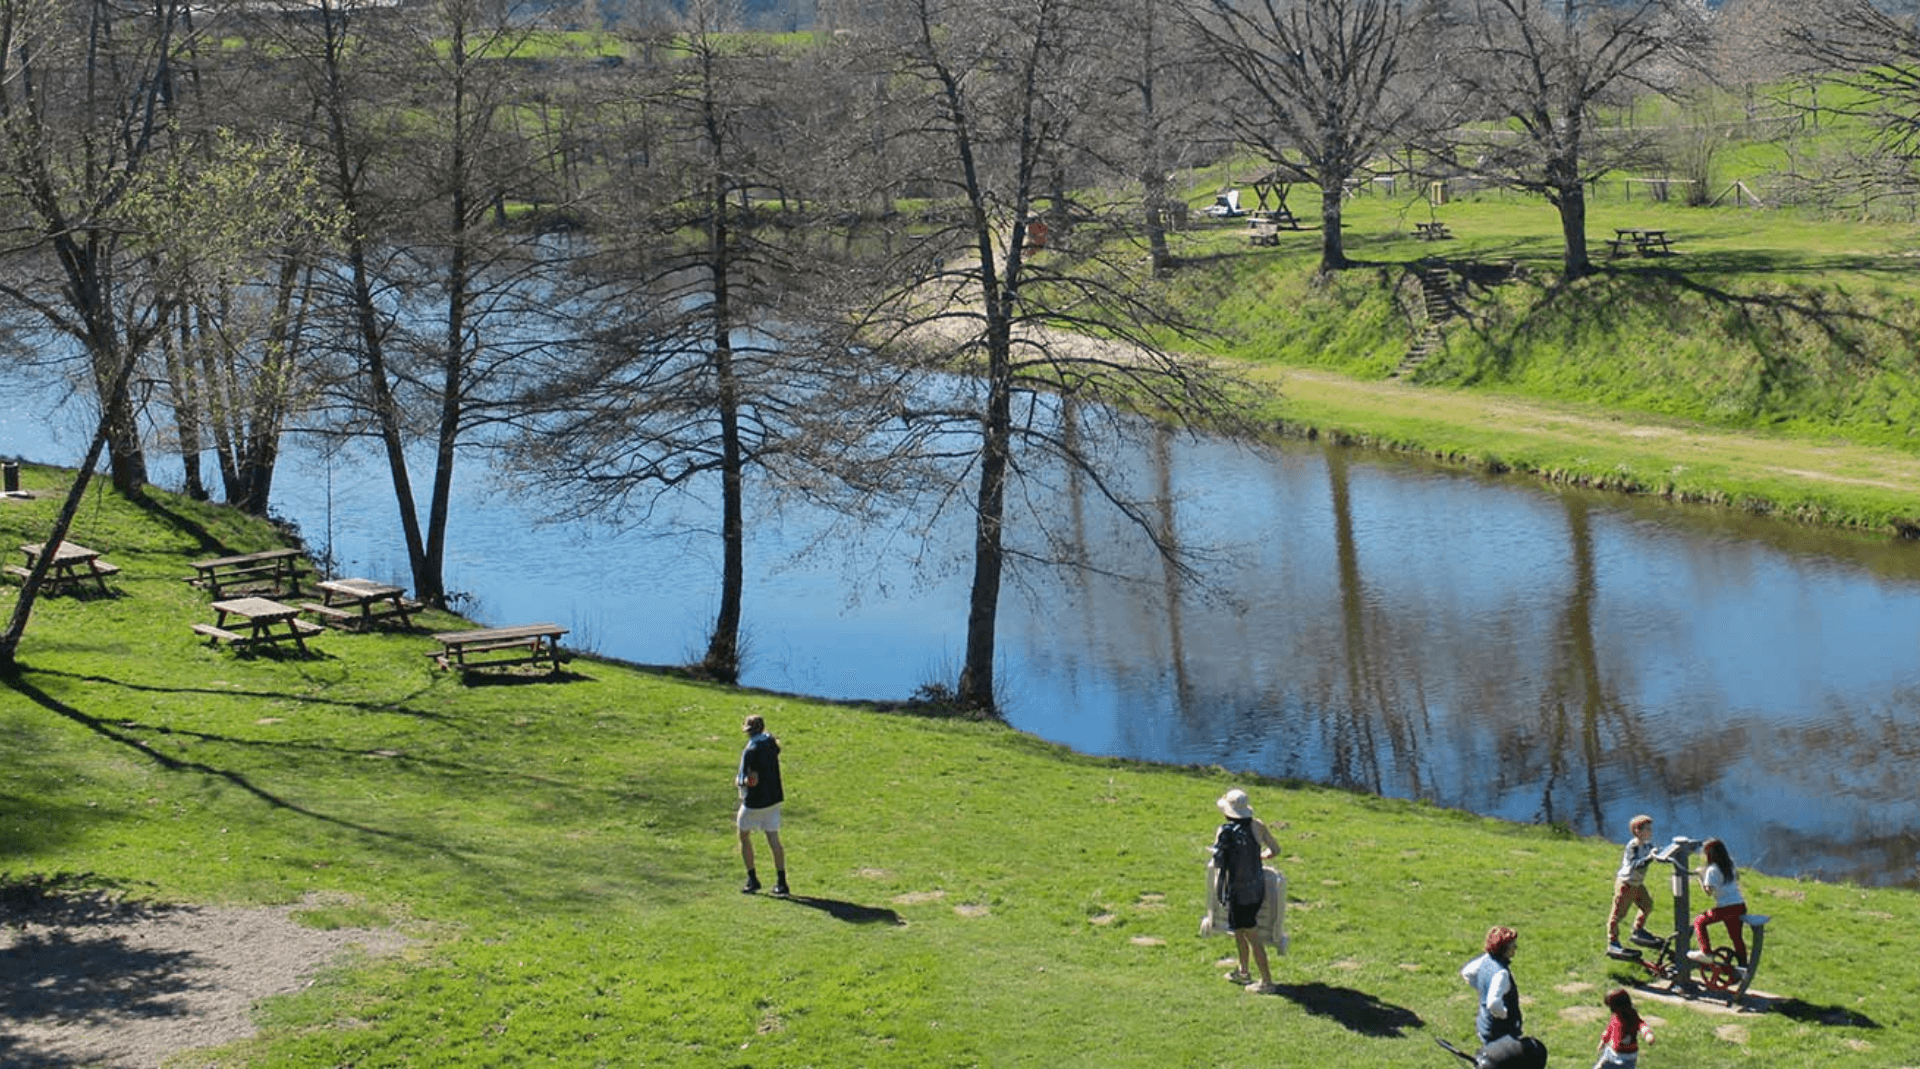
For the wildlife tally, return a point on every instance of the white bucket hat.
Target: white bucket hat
(1234, 804)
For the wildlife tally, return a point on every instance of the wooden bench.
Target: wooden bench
(359, 604)
(500, 647)
(270, 571)
(296, 629)
(218, 634)
(331, 614)
(72, 565)
(266, 623)
(1642, 240)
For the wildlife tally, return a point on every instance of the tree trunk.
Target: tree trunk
(975, 690)
(62, 523)
(184, 383)
(1333, 245)
(1571, 198)
(722, 661)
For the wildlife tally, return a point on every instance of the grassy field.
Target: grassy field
(965, 895)
(1778, 334)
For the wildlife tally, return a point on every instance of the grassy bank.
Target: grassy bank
(1772, 364)
(966, 895)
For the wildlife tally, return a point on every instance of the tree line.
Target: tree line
(866, 263)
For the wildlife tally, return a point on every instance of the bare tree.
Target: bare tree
(985, 97)
(1554, 69)
(1866, 55)
(86, 95)
(1158, 113)
(1329, 88)
(712, 348)
(441, 289)
(85, 90)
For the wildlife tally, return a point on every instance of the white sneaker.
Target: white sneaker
(1700, 957)
(1259, 988)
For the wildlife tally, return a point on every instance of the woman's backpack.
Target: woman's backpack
(1236, 853)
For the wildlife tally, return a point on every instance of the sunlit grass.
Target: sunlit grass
(561, 852)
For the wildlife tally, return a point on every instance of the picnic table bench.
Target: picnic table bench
(72, 565)
(1433, 231)
(495, 647)
(266, 572)
(1645, 241)
(266, 622)
(361, 603)
(1265, 225)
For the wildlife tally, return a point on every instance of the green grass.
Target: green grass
(969, 895)
(1771, 332)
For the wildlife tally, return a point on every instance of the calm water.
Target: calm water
(1485, 644)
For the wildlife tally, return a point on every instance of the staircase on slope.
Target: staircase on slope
(1436, 297)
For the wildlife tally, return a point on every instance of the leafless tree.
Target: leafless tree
(1330, 86)
(440, 288)
(85, 95)
(87, 91)
(1862, 60)
(1553, 70)
(711, 348)
(985, 99)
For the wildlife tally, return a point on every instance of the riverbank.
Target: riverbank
(1833, 482)
(1767, 366)
(560, 855)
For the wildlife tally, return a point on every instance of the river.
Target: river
(1484, 643)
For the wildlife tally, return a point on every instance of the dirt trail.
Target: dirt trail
(1676, 444)
(94, 981)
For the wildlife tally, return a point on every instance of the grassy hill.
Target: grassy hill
(1766, 323)
(965, 895)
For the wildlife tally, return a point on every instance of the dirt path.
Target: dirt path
(1325, 398)
(1662, 445)
(88, 980)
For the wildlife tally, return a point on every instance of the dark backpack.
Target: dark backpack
(1236, 853)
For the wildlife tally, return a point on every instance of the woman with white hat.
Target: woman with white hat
(1239, 847)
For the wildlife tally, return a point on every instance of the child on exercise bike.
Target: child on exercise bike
(1721, 880)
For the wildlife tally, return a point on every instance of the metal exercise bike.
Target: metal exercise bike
(1723, 976)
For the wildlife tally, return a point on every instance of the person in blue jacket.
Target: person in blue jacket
(1491, 975)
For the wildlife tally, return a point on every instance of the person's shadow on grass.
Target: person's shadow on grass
(846, 911)
(1356, 1011)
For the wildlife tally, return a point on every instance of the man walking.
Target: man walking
(760, 798)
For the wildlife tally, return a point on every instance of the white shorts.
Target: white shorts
(764, 819)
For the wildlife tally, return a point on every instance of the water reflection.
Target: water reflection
(1361, 620)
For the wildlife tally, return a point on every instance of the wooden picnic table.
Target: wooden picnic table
(495, 647)
(374, 602)
(266, 572)
(72, 565)
(267, 622)
(1432, 231)
(1644, 240)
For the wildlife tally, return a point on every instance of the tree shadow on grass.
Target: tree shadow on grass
(52, 974)
(1356, 1011)
(509, 677)
(850, 912)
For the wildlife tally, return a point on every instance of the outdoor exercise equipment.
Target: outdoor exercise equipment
(1723, 976)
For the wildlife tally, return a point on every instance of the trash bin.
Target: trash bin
(1436, 193)
(10, 476)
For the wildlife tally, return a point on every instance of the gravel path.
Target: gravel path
(91, 981)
